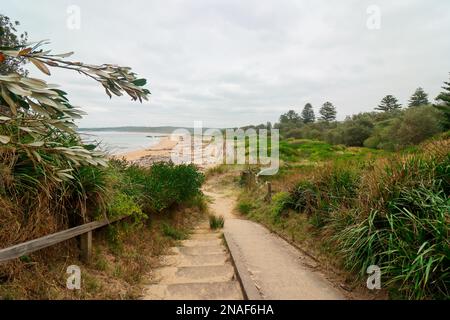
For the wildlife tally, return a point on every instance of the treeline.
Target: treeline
(389, 126)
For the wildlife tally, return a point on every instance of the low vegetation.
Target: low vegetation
(216, 222)
(391, 210)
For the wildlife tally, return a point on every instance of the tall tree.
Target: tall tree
(389, 103)
(9, 38)
(290, 117)
(308, 115)
(443, 105)
(327, 112)
(419, 98)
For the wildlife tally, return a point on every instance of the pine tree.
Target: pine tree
(389, 103)
(328, 112)
(308, 115)
(443, 105)
(419, 98)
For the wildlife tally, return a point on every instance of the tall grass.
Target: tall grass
(33, 204)
(394, 213)
(403, 224)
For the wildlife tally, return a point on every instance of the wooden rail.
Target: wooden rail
(84, 231)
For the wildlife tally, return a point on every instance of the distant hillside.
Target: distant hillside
(164, 129)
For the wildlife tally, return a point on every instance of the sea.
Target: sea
(118, 142)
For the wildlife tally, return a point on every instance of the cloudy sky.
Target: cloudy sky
(231, 63)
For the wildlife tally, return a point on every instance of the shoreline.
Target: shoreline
(160, 150)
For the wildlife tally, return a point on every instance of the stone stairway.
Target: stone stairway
(197, 269)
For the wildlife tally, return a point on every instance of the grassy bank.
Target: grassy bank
(161, 202)
(391, 210)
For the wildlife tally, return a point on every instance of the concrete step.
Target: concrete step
(191, 260)
(197, 251)
(203, 230)
(205, 236)
(203, 225)
(170, 275)
(201, 242)
(228, 290)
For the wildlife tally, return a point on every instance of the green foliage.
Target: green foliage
(308, 115)
(281, 202)
(158, 187)
(305, 197)
(419, 98)
(170, 184)
(328, 112)
(172, 232)
(123, 204)
(403, 226)
(52, 179)
(414, 126)
(444, 105)
(244, 207)
(393, 212)
(290, 117)
(216, 222)
(389, 104)
(332, 188)
(393, 129)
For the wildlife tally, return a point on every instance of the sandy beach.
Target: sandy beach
(160, 150)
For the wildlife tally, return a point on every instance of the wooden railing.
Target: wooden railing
(84, 232)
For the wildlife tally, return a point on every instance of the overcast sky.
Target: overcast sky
(232, 63)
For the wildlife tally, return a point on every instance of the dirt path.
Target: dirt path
(276, 268)
(197, 269)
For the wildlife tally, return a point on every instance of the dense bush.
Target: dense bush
(394, 213)
(390, 131)
(244, 207)
(415, 125)
(402, 224)
(157, 187)
(281, 202)
(331, 188)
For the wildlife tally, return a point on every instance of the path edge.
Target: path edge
(249, 290)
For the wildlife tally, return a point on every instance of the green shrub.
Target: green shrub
(169, 184)
(244, 207)
(281, 201)
(402, 225)
(416, 125)
(123, 204)
(216, 222)
(304, 197)
(157, 187)
(172, 232)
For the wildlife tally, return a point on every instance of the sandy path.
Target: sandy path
(277, 269)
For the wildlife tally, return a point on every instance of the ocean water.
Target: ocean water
(115, 142)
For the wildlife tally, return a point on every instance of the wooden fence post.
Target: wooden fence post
(86, 246)
(268, 197)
